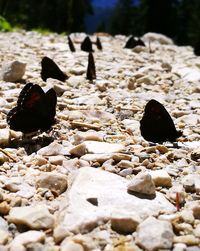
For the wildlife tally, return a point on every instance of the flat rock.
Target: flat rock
(93, 198)
(96, 147)
(142, 183)
(37, 217)
(55, 182)
(153, 234)
(12, 71)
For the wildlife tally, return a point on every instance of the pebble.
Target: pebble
(21, 240)
(161, 178)
(4, 235)
(4, 137)
(67, 245)
(153, 234)
(12, 71)
(37, 217)
(55, 182)
(96, 147)
(142, 183)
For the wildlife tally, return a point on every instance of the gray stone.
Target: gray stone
(12, 71)
(153, 234)
(55, 182)
(142, 183)
(37, 217)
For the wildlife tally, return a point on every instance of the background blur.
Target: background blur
(178, 19)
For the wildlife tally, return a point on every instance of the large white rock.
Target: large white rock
(94, 197)
(153, 234)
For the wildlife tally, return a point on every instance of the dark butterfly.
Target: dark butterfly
(71, 45)
(35, 110)
(157, 125)
(91, 70)
(86, 45)
(51, 70)
(133, 42)
(98, 44)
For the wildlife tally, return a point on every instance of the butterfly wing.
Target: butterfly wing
(30, 97)
(23, 120)
(35, 110)
(51, 70)
(156, 124)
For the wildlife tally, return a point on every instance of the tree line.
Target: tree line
(178, 19)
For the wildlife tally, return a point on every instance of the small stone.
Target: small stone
(142, 183)
(56, 160)
(3, 224)
(52, 150)
(95, 147)
(187, 216)
(4, 208)
(23, 239)
(197, 231)
(37, 217)
(179, 247)
(124, 224)
(153, 234)
(195, 154)
(187, 239)
(4, 235)
(12, 71)
(55, 182)
(68, 245)
(126, 172)
(4, 137)
(191, 183)
(39, 160)
(161, 178)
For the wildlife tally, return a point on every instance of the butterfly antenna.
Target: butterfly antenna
(91, 69)
(71, 45)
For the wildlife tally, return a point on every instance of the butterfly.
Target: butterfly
(91, 70)
(35, 110)
(51, 70)
(71, 45)
(86, 45)
(133, 42)
(98, 44)
(157, 125)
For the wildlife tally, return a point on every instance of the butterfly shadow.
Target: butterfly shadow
(32, 145)
(143, 196)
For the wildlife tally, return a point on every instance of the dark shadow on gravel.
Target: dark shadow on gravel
(142, 196)
(32, 145)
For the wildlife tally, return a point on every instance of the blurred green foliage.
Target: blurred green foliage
(5, 25)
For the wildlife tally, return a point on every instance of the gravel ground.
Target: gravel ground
(93, 182)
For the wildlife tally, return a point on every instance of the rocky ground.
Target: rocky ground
(93, 182)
